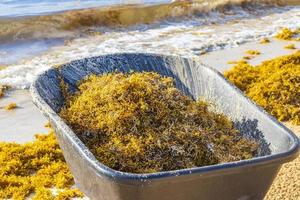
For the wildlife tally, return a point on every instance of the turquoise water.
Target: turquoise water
(16, 8)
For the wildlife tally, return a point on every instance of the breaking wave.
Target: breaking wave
(75, 23)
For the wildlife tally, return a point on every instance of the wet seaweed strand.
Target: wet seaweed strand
(34, 169)
(288, 34)
(290, 46)
(264, 41)
(274, 85)
(253, 52)
(140, 123)
(11, 106)
(3, 89)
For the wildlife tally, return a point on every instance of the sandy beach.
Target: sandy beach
(216, 38)
(21, 124)
(219, 59)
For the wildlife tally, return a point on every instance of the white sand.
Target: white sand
(219, 59)
(20, 125)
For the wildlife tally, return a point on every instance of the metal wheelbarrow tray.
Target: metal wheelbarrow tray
(241, 180)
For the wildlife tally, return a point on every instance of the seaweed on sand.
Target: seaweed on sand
(274, 85)
(35, 168)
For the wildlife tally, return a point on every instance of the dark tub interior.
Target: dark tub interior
(191, 77)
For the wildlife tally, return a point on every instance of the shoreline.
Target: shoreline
(193, 35)
(17, 125)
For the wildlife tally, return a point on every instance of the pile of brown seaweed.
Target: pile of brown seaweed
(140, 123)
(11, 106)
(34, 169)
(274, 85)
(288, 34)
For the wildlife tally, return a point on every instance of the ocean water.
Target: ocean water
(181, 28)
(17, 8)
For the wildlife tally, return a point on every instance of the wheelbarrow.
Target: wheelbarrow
(240, 180)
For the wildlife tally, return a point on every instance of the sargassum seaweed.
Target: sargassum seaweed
(288, 34)
(34, 169)
(11, 106)
(274, 85)
(141, 123)
(3, 89)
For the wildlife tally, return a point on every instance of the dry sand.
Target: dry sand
(287, 183)
(21, 124)
(219, 59)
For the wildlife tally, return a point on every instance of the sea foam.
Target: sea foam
(187, 36)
